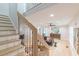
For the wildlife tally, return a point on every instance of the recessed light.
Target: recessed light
(51, 15)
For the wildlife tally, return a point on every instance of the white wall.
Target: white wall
(21, 7)
(13, 8)
(4, 8)
(64, 31)
(71, 40)
(73, 24)
(13, 14)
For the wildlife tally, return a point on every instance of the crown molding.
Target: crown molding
(38, 7)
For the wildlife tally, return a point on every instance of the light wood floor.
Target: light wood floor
(62, 49)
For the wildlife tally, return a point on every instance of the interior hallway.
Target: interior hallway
(62, 49)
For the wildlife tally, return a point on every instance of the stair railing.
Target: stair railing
(33, 34)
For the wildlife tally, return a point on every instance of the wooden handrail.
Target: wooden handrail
(41, 39)
(34, 33)
(20, 16)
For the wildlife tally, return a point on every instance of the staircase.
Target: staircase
(43, 47)
(10, 44)
(35, 44)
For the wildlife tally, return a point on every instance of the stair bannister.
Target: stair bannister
(41, 39)
(34, 33)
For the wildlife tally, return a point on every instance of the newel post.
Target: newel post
(34, 43)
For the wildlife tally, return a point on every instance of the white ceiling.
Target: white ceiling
(63, 14)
